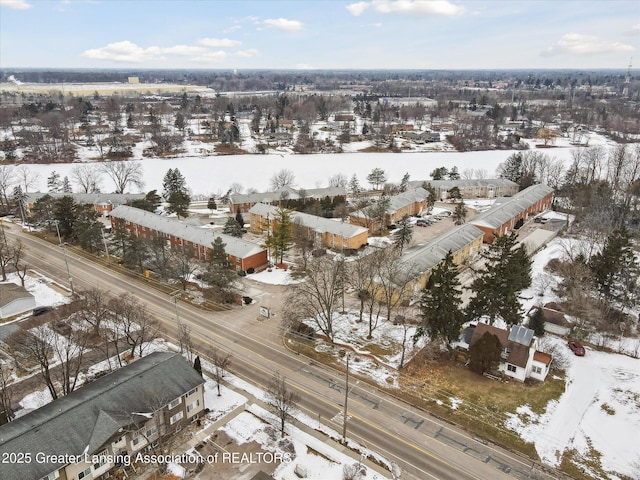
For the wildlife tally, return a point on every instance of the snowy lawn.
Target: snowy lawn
(277, 276)
(321, 461)
(599, 410)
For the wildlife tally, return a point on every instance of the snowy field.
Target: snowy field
(600, 408)
(213, 174)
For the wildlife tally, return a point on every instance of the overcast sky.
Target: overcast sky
(329, 34)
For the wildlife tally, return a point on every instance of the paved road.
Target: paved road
(422, 446)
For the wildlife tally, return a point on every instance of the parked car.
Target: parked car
(40, 311)
(576, 348)
(540, 220)
(422, 223)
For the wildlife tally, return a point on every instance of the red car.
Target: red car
(576, 348)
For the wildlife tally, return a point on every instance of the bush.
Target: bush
(303, 330)
(247, 300)
(251, 270)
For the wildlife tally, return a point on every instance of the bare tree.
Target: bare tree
(182, 266)
(26, 178)
(6, 183)
(94, 308)
(87, 177)
(123, 174)
(221, 362)
(281, 399)
(6, 258)
(338, 180)
(135, 324)
(282, 178)
(36, 347)
(17, 254)
(6, 412)
(317, 297)
(185, 340)
(69, 346)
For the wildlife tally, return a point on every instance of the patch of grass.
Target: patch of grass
(608, 409)
(583, 466)
(377, 350)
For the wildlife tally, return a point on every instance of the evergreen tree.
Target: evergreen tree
(616, 270)
(454, 174)
(197, 365)
(231, 227)
(404, 233)
(240, 219)
(506, 272)
(431, 199)
(404, 183)
(211, 203)
(218, 275)
(455, 194)
(150, 202)
(439, 173)
(354, 186)
(176, 193)
(66, 185)
(281, 238)
(459, 214)
(440, 304)
(536, 321)
(53, 182)
(377, 177)
(484, 355)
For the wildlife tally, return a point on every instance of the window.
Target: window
(175, 418)
(102, 460)
(84, 473)
(193, 405)
(511, 368)
(174, 404)
(151, 431)
(136, 440)
(537, 370)
(192, 391)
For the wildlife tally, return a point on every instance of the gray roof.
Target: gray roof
(92, 416)
(460, 183)
(11, 291)
(521, 335)
(287, 193)
(318, 224)
(200, 236)
(422, 258)
(506, 208)
(396, 202)
(90, 198)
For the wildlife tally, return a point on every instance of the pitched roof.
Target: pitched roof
(11, 291)
(461, 183)
(90, 198)
(200, 236)
(482, 328)
(89, 417)
(521, 335)
(507, 208)
(397, 202)
(287, 193)
(318, 224)
(423, 258)
(542, 357)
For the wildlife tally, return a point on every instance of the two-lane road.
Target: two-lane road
(420, 445)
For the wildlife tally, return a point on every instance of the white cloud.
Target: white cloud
(634, 30)
(250, 53)
(129, 52)
(284, 24)
(578, 44)
(408, 7)
(356, 9)
(15, 4)
(219, 42)
(232, 29)
(124, 51)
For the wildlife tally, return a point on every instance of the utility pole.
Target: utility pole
(346, 398)
(64, 253)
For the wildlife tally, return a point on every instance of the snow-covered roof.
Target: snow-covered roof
(506, 208)
(397, 202)
(287, 193)
(318, 224)
(200, 236)
(89, 198)
(423, 258)
(462, 182)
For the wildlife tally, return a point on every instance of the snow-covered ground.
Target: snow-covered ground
(600, 407)
(215, 173)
